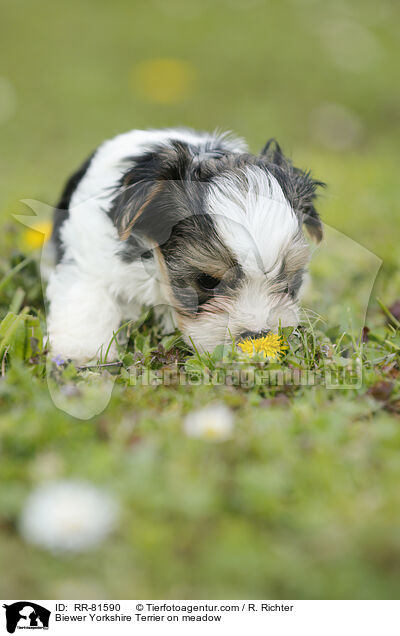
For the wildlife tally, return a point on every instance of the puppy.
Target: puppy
(189, 223)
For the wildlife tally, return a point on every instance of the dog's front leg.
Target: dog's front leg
(83, 315)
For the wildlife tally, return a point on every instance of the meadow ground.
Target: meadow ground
(302, 499)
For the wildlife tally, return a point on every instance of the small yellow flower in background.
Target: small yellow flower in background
(270, 346)
(38, 234)
(214, 422)
(164, 80)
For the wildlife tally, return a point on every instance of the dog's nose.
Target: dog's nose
(245, 335)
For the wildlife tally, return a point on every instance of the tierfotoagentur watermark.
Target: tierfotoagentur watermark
(243, 371)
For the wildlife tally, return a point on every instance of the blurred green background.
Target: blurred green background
(305, 502)
(320, 77)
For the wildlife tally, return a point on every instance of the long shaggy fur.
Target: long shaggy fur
(188, 223)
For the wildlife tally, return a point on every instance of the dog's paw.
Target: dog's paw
(66, 350)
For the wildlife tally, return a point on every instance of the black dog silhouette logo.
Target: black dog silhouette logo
(26, 615)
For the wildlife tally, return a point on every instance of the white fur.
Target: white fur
(92, 288)
(257, 224)
(254, 309)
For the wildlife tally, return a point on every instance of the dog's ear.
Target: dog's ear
(131, 205)
(298, 186)
(140, 206)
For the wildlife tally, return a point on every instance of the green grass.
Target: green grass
(303, 500)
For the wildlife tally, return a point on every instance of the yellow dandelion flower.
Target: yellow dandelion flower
(164, 80)
(270, 346)
(35, 236)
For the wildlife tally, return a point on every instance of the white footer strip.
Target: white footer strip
(278, 618)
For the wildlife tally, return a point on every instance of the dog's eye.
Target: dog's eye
(286, 290)
(207, 282)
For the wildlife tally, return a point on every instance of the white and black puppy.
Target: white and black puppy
(188, 223)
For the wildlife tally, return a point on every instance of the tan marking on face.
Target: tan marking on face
(201, 260)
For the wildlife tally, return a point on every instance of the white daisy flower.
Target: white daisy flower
(68, 516)
(214, 422)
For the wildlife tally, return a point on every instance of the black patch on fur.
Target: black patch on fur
(296, 283)
(62, 208)
(161, 199)
(288, 282)
(190, 253)
(184, 162)
(177, 161)
(297, 185)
